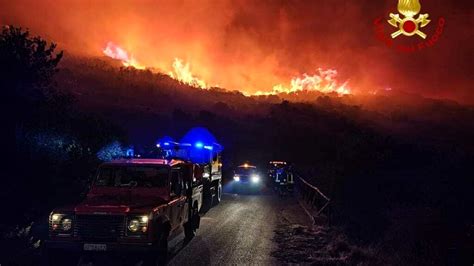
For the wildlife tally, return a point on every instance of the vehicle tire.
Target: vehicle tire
(163, 251)
(159, 255)
(207, 198)
(218, 196)
(45, 257)
(190, 226)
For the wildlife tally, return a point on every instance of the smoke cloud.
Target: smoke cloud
(253, 45)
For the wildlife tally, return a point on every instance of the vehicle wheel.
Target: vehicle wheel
(191, 225)
(217, 197)
(44, 256)
(163, 251)
(159, 255)
(207, 198)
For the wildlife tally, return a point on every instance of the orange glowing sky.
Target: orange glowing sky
(253, 45)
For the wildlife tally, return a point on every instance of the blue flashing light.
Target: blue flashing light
(130, 152)
(199, 145)
(164, 142)
(198, 134)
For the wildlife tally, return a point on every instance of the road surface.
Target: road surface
(237, 231)
(240, 230)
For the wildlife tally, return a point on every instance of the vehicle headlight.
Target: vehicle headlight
(255, 178)
(138, 224)
(133, 225)
(55, 217)
(61, 223)
(236, 178)
(66, 224)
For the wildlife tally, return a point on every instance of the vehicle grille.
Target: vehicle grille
(244, 178)
(99, 227)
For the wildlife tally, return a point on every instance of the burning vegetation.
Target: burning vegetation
(253, 46)
(116, 52)
(418, 147)
(324, 81)
(180, 71)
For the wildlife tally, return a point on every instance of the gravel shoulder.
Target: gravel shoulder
(298, 241)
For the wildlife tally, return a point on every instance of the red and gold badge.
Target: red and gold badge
(409, 25)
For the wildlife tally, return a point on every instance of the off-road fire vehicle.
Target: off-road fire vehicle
(137, 205)
(134, 205)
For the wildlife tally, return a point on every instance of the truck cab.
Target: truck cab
(133, 205)
(207, 166)
(247, 176)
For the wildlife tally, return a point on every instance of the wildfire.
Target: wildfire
(116, 52)
(182, 72)
(324, 81)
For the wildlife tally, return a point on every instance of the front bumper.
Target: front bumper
(246, 186)
(78, 246)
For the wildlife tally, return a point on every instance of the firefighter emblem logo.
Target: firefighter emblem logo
(409, 25)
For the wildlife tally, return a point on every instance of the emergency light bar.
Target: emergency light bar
(246, 165)
(198, 145)
(198, 152)
(277, 162)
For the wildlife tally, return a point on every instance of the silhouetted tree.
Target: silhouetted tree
(28, 63)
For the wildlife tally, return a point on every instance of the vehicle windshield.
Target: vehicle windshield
(132, 176)
(245, 171)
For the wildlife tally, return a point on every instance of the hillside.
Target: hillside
(103, 85)
(392, 164)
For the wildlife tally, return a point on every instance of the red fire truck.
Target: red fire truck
(137, 205)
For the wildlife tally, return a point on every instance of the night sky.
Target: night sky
(254, 45)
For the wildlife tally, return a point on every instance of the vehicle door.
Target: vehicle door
(178, 198)
(192, 176)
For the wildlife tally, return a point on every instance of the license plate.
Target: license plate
(95, 247)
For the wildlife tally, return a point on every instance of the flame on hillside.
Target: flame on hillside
(324, 81)
(116, 52)
(182, 72)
